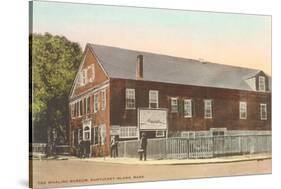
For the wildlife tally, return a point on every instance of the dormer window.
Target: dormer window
(261, 83)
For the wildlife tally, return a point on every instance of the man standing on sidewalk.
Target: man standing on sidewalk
(143, 145)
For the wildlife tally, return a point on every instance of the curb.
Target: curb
(183, 163)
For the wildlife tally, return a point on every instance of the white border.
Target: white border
(14, 56)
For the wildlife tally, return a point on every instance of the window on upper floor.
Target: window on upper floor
(208, 110)
(86, 75)
(243, 110)
(96, 102)
(80, 108)
(84, 106)
(261, 83)
(76, 109)
(88, 105)
(130, 99)
(187, 108)
(103, 99)
(153, 99)
(263, 111)
(91, 73)
(174, 104)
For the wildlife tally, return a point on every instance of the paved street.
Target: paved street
(49, 173)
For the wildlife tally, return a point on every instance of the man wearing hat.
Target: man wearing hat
(143, 145)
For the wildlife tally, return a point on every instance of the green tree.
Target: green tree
(54, 61)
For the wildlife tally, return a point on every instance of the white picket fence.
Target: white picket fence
(200, 147)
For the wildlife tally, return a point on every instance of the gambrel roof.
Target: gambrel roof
(121, 63)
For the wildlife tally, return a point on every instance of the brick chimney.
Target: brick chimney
(139, 67)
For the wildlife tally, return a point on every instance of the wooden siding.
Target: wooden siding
(100, 75)
(225, 106)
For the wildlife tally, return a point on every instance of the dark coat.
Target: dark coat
(143, 142)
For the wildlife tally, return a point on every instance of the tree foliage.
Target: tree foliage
(54, 63)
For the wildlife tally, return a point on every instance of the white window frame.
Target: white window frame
(130, 95)
(128, 132)
(76, 114)
(96, 133)
(219, 130)
(261, 83)
(92, 68)
(87, 131)
(88, 104)
(174, 99)
(102, 131)
(80, 113)
(263, 116)
(84, 102)
(103, 100)
(187, 108)
(160, 133)
(152, 100)
(242, 109)
(208, 106)
(96, 102)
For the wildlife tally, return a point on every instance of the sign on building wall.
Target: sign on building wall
(152, 119)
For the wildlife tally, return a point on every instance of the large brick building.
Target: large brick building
(125, 92)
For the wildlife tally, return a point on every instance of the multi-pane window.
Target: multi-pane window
(91, 73)
(102, 133)
(263, 111)
(80, 108)
(128, 132)
(84, 106)
(96, 102)
(208, 109)
(88, 105)
(153, 99)
(174, 105)
(87, 133)
(243, 110)
(130, 99)
(96, 135)
(86, 75)
(76, 109)
(103, 99)
(261, 83)
(187, 108)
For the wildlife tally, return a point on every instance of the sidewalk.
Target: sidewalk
(135, 161)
